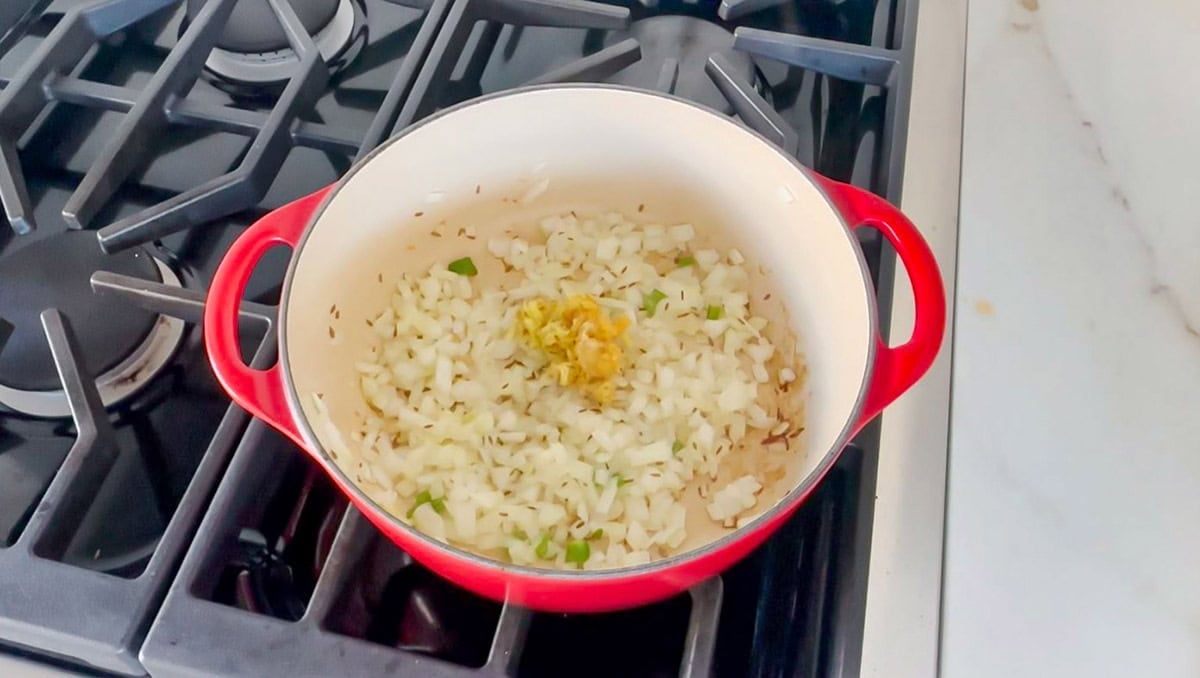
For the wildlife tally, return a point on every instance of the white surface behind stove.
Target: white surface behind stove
(900, 635)
(1073, 542)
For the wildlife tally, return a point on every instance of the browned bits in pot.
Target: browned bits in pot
(418, 214)
(642, 207)
(380, 277)
(785, 436)
(332, 334)
(477, 187)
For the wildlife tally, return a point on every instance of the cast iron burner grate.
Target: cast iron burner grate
(106, 123)
(73, 506)
(171, 100)
(364, 604)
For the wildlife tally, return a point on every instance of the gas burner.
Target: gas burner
(252, 57)
(127, 347)
(394, 601)
(674, 52)
(265, 582)
(276, 576)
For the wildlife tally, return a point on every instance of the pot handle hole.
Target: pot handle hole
(259, 392)
(897, 367)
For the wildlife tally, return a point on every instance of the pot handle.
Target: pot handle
(897, 368)
(259, 392)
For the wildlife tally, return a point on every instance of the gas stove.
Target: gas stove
(146, 526)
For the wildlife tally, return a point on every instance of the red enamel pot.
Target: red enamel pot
(619, 149)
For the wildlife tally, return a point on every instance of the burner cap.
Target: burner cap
(253, 27)
(689, 42)
(55, 272)
(255, 67)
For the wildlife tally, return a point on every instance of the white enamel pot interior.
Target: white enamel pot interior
(514, 157)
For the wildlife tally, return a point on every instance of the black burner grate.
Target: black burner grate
(99, 98)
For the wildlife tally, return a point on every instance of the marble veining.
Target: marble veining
(1073, 546)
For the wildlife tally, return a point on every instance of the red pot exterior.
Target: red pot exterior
(264, 393)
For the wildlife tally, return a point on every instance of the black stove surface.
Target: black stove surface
(136, 142)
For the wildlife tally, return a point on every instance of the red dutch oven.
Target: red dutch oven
(607, 147)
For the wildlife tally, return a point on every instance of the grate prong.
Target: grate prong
(596, 66)
(509, 640)
(758, 115)
(558, 13)
(701, 641)
(95, 449)
(845, 61)
(349, 545)
(177, 302)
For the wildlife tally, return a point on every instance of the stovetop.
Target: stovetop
(148, 526)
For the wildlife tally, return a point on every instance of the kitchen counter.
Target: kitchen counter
(1072, 546)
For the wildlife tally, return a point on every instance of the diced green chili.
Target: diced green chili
(714, 312)
(463, 266)
(650, 302)
(578, 551)
(423, 497)
(686, 260)
(676, 446)
(543, 548)
(597, 533)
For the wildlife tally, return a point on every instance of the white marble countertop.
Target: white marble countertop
(1073, 522)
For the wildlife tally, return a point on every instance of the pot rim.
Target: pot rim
(785, 504)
